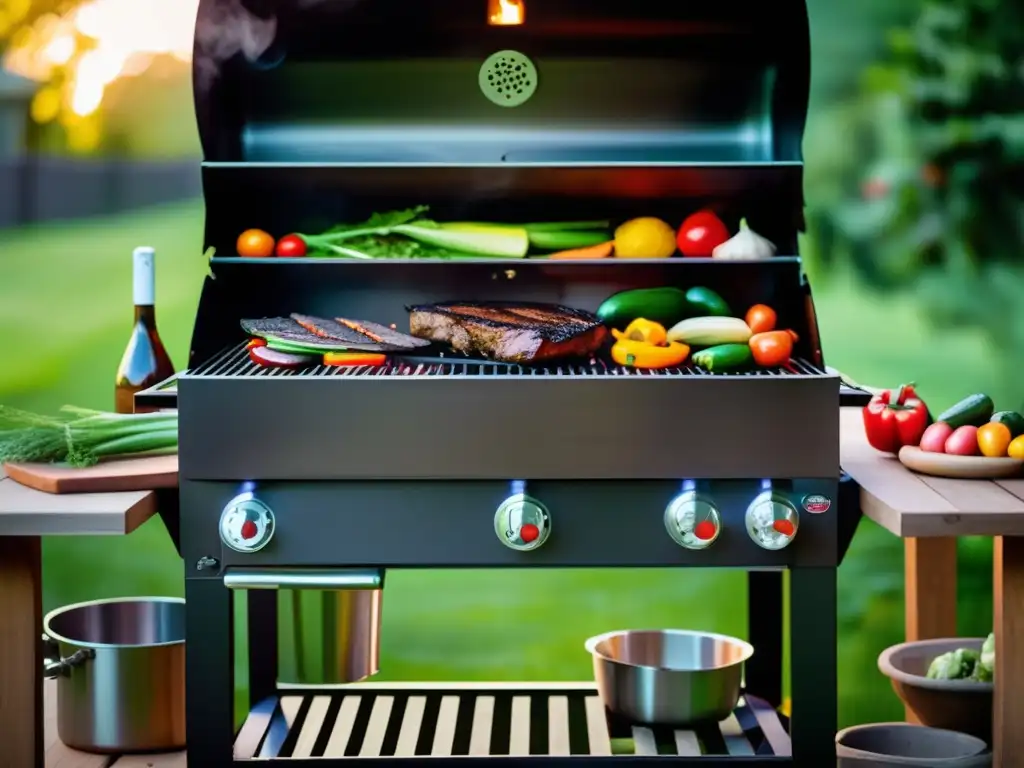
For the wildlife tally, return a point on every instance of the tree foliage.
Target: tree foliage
(940, 208)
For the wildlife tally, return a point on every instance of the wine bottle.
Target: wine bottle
(145, 362)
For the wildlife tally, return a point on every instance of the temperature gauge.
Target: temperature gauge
(772, 520)
(692, 521)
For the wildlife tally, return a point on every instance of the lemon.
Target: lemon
(645, 238)
(1016, 448)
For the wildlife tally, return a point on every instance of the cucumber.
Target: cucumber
(567, 240)
(724, 357)
(704, 302)
(710, 331)
(972, 411)
(1013, 421)
(666, 306)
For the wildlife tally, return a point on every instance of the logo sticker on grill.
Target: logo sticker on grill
(816, 503)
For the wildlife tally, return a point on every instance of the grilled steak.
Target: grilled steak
(359, 332)
(509, 332)
(286, 329)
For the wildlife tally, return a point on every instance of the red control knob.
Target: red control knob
(705, 530)
(529, 533)
(249, 530)
(785, 527)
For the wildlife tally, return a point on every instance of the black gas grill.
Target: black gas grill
(307, 485)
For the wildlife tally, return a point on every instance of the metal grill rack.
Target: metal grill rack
(488, 720)
(235, 362)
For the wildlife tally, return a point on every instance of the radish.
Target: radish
(963, 442)
(935, 436)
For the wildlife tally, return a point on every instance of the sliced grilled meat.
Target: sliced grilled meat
(509, 332)
(286, 329)
(358, 332)
(383, 333)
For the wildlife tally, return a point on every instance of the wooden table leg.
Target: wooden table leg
(1008, 614)
(929, 567)
(21, 652)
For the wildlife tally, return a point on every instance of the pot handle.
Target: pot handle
(54, 666)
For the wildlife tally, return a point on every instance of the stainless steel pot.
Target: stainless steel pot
(668, 677)
(120, 671)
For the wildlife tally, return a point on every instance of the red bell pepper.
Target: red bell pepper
(895, 418)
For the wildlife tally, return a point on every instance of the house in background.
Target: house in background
(16, 95)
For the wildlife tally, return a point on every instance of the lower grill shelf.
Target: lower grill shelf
(489, 720)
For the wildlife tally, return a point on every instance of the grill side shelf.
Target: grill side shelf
(491, 721)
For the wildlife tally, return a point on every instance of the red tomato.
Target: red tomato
(291, 247)
(700, 234)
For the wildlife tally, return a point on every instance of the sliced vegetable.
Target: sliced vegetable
(1016, 448)
(272, 358)
(600, 251)
(255, 244)
(564, 226)
(725, 357)
(643, 330)
(774, 349)
(700, 234)
(487, 240)
(1013, 420)
(894, 418)
(973, 410)
(963, 441)
(640, 354)
(994, 440)
(761, 318)
(710, 331)
(988, 656)
(745, 245)
(661, 305)
(645, 238)
(935, 436)
(704, 302)
(290, 247)
(343, 359)
(565, 240)
(80, 436)
(256, 343)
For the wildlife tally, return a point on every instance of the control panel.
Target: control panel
(713, 523)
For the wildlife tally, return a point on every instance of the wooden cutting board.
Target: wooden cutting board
(114, 476)
(959, 467)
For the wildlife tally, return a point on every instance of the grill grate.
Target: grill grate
(235, 363)
(487, 720)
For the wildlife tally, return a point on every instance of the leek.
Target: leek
(81, 437)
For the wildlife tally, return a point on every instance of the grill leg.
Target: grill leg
(262, 645)
(209, 667)
(812, 626)
(763, 672)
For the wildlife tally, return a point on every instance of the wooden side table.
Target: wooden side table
(25, 516)
(929, 513)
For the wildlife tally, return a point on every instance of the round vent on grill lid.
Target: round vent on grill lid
(508, 78)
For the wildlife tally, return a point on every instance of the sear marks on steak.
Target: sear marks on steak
(509, 332)
(358, 331)
(286, 329)
(383, 333)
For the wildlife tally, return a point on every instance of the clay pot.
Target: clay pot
(901, 745)
(958, 705)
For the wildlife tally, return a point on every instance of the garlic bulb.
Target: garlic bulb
(745, 244)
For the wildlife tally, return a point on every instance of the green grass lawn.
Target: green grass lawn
(64, 318)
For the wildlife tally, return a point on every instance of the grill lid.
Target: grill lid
(580, 81)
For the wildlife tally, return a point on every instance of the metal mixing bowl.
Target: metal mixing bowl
(669, 676)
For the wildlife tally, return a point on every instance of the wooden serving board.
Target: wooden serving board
(114, 476)
(958, 467)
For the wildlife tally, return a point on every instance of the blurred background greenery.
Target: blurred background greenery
(913, 246)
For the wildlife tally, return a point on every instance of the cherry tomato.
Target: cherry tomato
(772, 349)
(700, 234)
(761, 318)
(255, 244)
(290, 247)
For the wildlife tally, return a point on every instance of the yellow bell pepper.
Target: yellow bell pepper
(643, 330)
(639, 354)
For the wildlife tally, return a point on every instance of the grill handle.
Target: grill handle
(303, 578)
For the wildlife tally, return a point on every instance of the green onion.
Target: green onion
(81, 436)
(565, 226)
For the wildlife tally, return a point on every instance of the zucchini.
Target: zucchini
(567, 240)
(665, 306)
(972, 411)
(1013, 421)
(704, 302)
(710, 331)
(724, 357)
